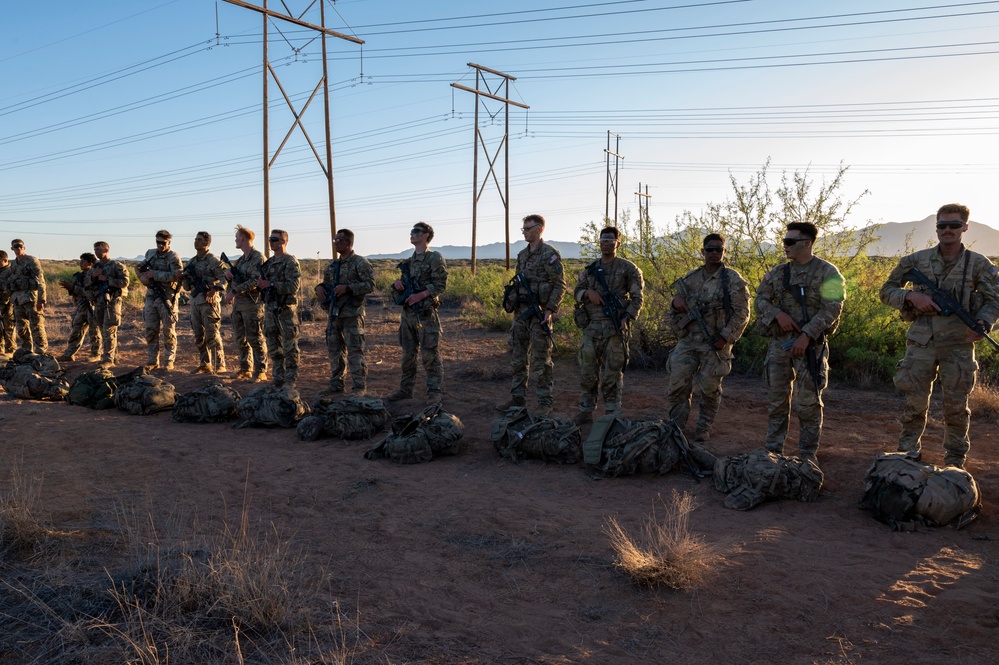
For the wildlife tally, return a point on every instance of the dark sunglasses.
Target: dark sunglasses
(949, 225)
(161, 242)
(714, 248)
(274, 239)
(789, 242)
(416, 232)
(17, 246)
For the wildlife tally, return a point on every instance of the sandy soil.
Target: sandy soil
(474, 559)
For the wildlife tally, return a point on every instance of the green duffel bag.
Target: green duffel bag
(518, 435)
(214, 403)
(27, 383)
(752, 478)
(145, 395)
(352, 417)
(271, 407)
(420, 438)
(95, 388)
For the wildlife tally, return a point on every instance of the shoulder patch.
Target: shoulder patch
(553, 258)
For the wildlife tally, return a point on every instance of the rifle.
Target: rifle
(613, 305)
(697, 316)
(231, 267)
(268, 293)
(156, 287)
(199, 285)
(810, 357)
(412, 285)
(675, 435)
(948, 305)
(332, 302)
(534, 308)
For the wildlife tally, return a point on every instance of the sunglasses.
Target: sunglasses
(714, 248)
(528, 228)
(17, 246)
(789, 242)
(416, 232)
(950, 225)
(161, 242)
(274, 239)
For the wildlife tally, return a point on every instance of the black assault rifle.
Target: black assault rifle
(810, 358)
(614, 307)
(948, 305)
(410, 286)
(231, 267)
(697, 316)
(332, 302)
(156, 287)
(534, 308)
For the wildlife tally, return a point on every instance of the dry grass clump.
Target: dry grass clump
(984, 402)
(664, 553)
(22, 534)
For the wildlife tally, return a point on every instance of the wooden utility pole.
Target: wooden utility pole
(269, 72)
(478, 139)
(612, 178)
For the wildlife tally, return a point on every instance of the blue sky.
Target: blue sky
(120, 118)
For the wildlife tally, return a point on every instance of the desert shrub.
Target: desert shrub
(665, 552)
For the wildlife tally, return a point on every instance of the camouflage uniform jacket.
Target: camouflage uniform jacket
(286, 276)
(163, 265)
(25, 281)
(77, 289)
(203, 274)
(245, 275)
(825, 291)
(4, 289)
(117, 280)
(543, 270)
(430, 271)
(970, 280)
(707, 295)
(358, 275)
(622, 277)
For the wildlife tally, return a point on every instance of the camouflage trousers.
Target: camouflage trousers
(206, 324)
(7, 321)
(532, 356)
(421, 335)
(601, 366)
(30, 325)
(345, 344)
(157, 314)
(956, 367)
(83, 322)
(281, 331)
(248, 326)
(107, 318)
(783, 375)
(696, 360)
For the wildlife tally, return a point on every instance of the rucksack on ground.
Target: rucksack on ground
(271, 407)
(145, 395)
(24, 382)
(213, 403)
(617, 447)
(40, 362)
(420, 438)
(349, 418)
(518, 435)
(906, 494)
(754, 477)
(95, 388)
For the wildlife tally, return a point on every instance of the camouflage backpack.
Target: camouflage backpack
(214, 403)
(271, 407)
(420, 438)
(40, 362)
(26, 383)
(752, 478)
(518, 435)
(351, 417)
(905, 493)
(94, 389)
(145, 395)
(617, 447)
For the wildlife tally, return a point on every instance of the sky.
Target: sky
(119, 118)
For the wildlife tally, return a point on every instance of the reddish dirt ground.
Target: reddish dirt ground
(474, 559)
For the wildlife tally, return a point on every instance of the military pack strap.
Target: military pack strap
(726, 296)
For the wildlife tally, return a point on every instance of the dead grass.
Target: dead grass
(665, 552)
(984, 402)
(22, 533)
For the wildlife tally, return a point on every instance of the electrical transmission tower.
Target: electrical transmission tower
(268, 71)
(612, 177)
(479, 140)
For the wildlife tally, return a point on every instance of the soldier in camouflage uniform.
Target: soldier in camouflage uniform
(794, 341)
(26, 284)
(247, 308)
(83, 312)
(345, 283)
(6, 309)
(541, 264)
(161, 271)
(204, 277)
(603, 352)
(721, 296)
(941, 345)
(279, 285)
(419, 327)
(107, 285)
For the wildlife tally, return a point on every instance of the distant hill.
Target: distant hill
(983, 239)
(496, 250)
